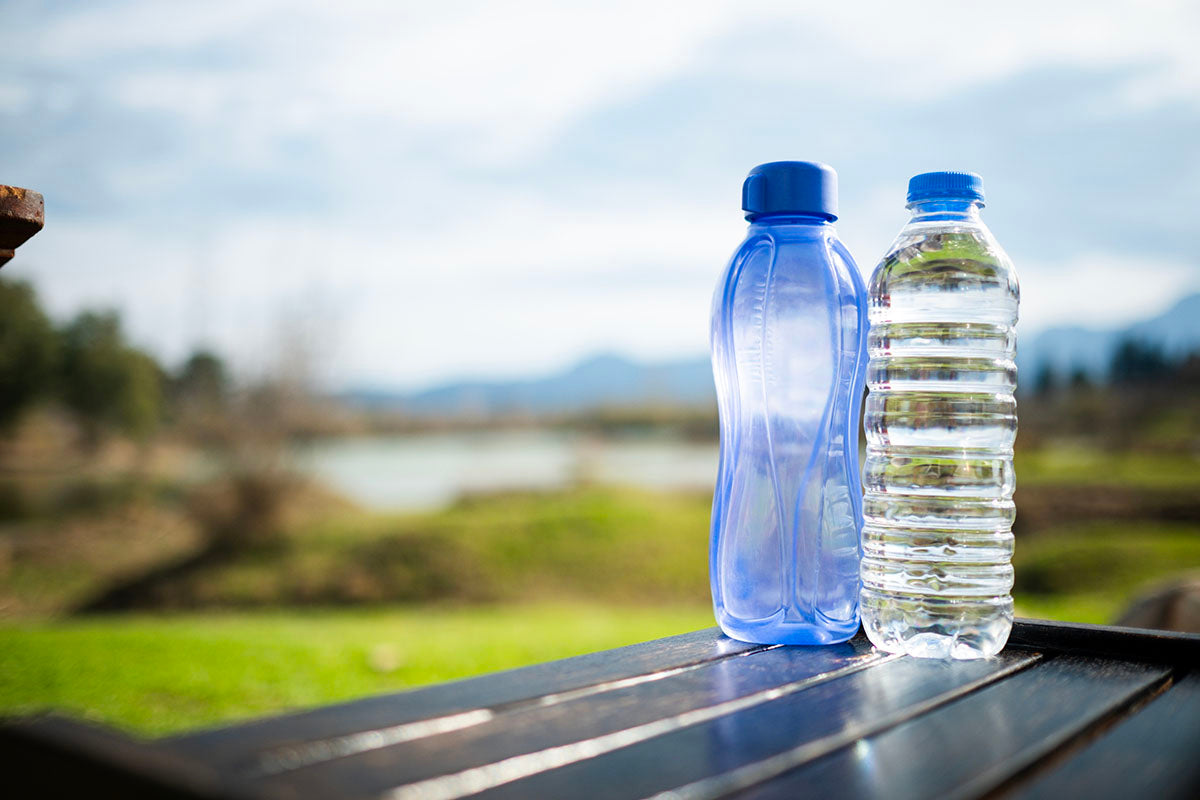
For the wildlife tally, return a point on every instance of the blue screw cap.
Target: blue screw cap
(790, 187)
(950, 184)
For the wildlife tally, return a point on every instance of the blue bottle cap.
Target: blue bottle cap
(966, 185)
(790, 187)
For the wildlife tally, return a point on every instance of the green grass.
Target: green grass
(1090, 466)
(559, 571)
(1097, 608)
(1091, 571)
(590, 544)
(157, 675)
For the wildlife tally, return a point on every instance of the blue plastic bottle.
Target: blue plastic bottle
(789, 331)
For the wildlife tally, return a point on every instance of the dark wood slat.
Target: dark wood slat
(1153, 754)
(758, 678)
(970, 747)
(236, 748)
(1133, 644)
(64, 758)
(817, 720)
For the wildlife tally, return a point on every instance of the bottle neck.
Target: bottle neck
(792, 219)
(937, 209)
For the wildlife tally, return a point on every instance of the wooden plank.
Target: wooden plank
(970, 747)
(759, 678)
(459, 703)
(1133, 644)
(1153, 753)
(678, 750)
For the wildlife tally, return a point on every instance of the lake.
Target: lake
(429, 470)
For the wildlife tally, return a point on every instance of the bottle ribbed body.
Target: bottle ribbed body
(789, 357)
(940, 422)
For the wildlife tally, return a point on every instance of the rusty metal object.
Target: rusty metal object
(22, 214)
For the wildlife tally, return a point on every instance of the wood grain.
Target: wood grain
(969, 747)
(1154, 753)
(240, 748)
(623, 716)
(749, 746)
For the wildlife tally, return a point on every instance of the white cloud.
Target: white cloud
(532, 286)
(504, 75)
(930, 48)
(499, 78)
(1099, 290)
(397, 111)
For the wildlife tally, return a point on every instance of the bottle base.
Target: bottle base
(774, 630)
(962, 629)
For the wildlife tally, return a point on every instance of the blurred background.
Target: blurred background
(366, 343)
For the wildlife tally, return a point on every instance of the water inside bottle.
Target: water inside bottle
(940, 422)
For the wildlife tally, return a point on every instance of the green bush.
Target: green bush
(28, 350)
(106, 382)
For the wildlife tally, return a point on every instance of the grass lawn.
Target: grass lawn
(1089, 572)
(1088, 466)
(595, 545)
(161, 674)
(607, 548)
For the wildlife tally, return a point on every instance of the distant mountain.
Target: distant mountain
(1176, 330)
(612, 381)
(598, 382)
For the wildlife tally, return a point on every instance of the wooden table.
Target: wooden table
(1065, 711)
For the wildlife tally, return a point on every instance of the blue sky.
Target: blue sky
(395, 193)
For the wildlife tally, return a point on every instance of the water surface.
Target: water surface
(430, 470)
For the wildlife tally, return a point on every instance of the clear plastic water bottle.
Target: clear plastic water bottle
(789, 356)
(940, 423)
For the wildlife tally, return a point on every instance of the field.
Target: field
(159, 674)
(340, 603)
